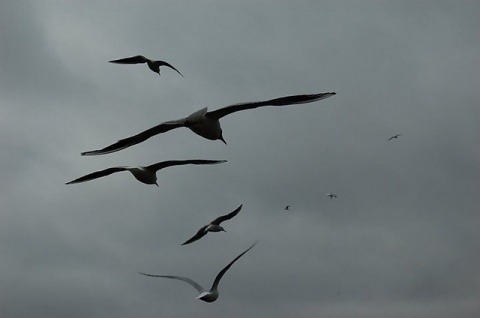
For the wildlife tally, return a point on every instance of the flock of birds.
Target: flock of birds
(207, 125)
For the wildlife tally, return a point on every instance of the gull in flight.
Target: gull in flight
(146, 174)
(153, 65)
(331, 195)
(212, 294)
(204, 123)
(287, 208)
(394, 137)
(214, 226)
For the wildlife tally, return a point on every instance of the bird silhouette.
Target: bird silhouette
(144, 174)
(394, 137)
(204, 123)
(153, 65)
(213, 226)
(212, 294)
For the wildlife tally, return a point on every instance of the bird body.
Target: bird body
(213, 226)
(152, 65)
(213, 293)
(204, 123)
(208, 296)
(331, 195)
(144, 174)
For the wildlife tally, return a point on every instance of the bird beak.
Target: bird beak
(221, 138)
(224, 231)
(156, 184)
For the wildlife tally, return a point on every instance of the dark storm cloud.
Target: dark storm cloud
(400, 239)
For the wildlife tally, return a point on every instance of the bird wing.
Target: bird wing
(185, 279)
(225, 269)
(130, 60)
(282, 101)
(163, 63)
(169, 163)
(138, 138)
(201, 233)
(228, 216)
(98, 174)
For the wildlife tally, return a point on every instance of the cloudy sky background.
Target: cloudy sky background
(401, 239)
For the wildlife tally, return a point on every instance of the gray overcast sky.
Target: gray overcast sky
(401, 239)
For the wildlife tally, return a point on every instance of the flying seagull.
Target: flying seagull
(146, 174)
(331, 195)
(205, 124)
(396, 136)
(212, 294)
(214, 226)
(287, 208)
(153, 65)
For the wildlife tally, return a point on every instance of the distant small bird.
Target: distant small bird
(147, 174)
(396, 136)
(205, 124)
(213, 226)
(153, 65)
(212, 294)
(287, 208)
(331, 195)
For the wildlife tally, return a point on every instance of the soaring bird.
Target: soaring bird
(331, 195)
(287, 208)
(205, 124)
(153, 65)
(212, 294)
(396, 136)
(144, 174)
(213, 226)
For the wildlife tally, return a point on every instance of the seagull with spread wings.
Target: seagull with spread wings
(212, 294)
(144, 174)
(213, 226)
(394, 137)
(139, 59)
(205, 123)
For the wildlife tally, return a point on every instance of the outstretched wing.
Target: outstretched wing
(97, 174)
(201, 233)
(130, 60)
(169, 163)
(227, 216)
(130, 141)
(163, 63)
(225, 269)
(282, 101)
(185, 279)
